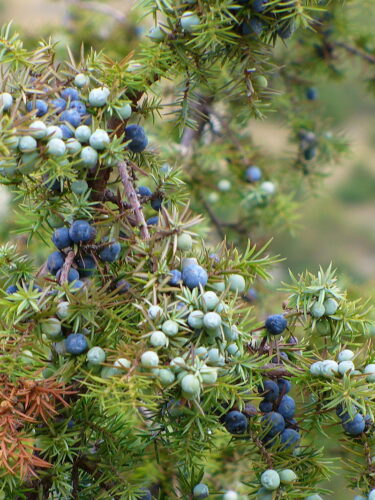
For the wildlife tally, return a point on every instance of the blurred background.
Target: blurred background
(337, 223)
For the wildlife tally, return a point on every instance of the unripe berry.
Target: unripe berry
(236, 283)
(287, 476)
(166, 377)
(201, 491)
(230, 495)
(370, 372)
(73, 146)
(212, 321)
(268, 187)
(98, 97)
(54, 132)
(208, 374)
(170, 328)
(81, 80)
(158, 339)
(329, 368)
(190, 384)
(214, 357)
(210, 300)
(317, 310)
(330, 306)
(149, 359)
(184, 242)
(99, 139)
(189, 21)
(345, 355)
(51, 327)
(56, 147)
(371, 495)
(260, 81)
(125, 111)
(177, 364)
(346, 367)
(62, 310)
(195, 319)
(270, 479)
(122, 363)
(6, 101)
(83, 133)
(224, 185)
(230, 332)
(27, 144)
(79, 187)
(155, 312)
(323, 327)
(96, 355)
(38, 129)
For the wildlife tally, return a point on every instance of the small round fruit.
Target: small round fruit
(260, 81)
(86, 265)
(158, 339)
(270, 479)
(61, 238)
(210, 300)
(73, 146)
(76, 343)
(345, 355)
(53, 132)
(346, 367)
(370, 372)
(56, 147)
(201, 491)
(287, 407)
(149, 359)
(125, 111)
(208, 374)
(233, 350)
(98, 97)
(253, 174)
(63, 310)
(177, 364)
(175, 279)
(270, 390)
(170, 328)
(111, 252)
(83, 133)
(122, 363)
(27, 144)
(274, 423)
(156, 34)
(38, 129)
(236, 283)
(323, 327)
(195, 319)
(268, 188)
(194, 276)
(317, 310)
(276, 324)
(81, 231)
(137, 137)
(51, 327)
(189, 21)
(230, 495)
(329, 368)
(235, 422)
(40, 106)
(55, 262)
(212, 321)
(71, 117)
(99, 139)
(371, 495)
(166, 377)
(287, 476)
(6, 101)
(155, 312)
(330, 307)
(81, 80)
(214, 357)
(224, 185)
(184, 242)
(70, 93)
(96, 355)
(190, 384)
(89, 156)
(290, 439)
(79, 187)
(354, 426)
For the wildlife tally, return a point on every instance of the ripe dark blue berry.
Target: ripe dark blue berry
(309, 153)
(73, 275)
(354, 426)
(59, 104)
(289, 439)
(67, 132)
(270, 390)
(284, 385)
(251, 295)
(111, 252)
(86, 265)
(70, 93)
(76, 343)
(287, 407)
(81, 230)
(55, 262)
(281, 358)
(144, 191)
(265, 406)
(78, 106)
(157, 203)
(137, 137)
(235, 422)
(311, 93)
(274, 423)
(123, 286)
(11, 289)
(61, 238)
(259, 5)
(152, 221)
(146, 494)
(175, 279)
(276, 324)
(194, 276)
(71, 116)
(40, 105)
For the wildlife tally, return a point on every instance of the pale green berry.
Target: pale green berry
(149, 359)
(323, 327)
(236, 283)
(38, 129)
(63, 310)
(178, 364)
(345, 355)
(98, 97)
(213, 197)
(96, 355)
(28, 161)
(56, 147)
(317, 310)
(81, 80)
(370, 372)
(51, 327)
(346, 367)
(54, 132)
(329, 368)
(73, 146)
(99, 139)
(201, 351)
(208, 374)
(6, 101)
(26, 357)
(122, 363)
(230, 495)
(287, 476)
(224, 185)
(268, 188)
(210, 300)
(316, 368)
(109, 371)
(79, 187)
(156, 34)
(158, 339)
(189, 261)
(155, 312)
(264, 494)
(270, 479)
(12, 142)
(89, 156)
(181, 375)
(371, 495)
(214, 357)
(315, 496)
(189, 21)
(83, 133)
(360, 497)
(125, 111)
(212, 320)
(260, 81)
(221, 307)
(219, 286)
(201, 491)
(184, 242)
(233, 350)
(230, 332)
(55, 221)
(190, 384)
(330, 306)
(27, 144)
(170, 328)
(166, 376)
(195, 319)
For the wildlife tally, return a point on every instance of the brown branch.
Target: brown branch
(66, 267)
(133, 199)
(214, 219)
(101, 9)
(355, 51)
(278, 370)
